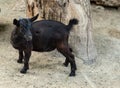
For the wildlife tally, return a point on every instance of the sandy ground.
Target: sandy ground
(46, 70)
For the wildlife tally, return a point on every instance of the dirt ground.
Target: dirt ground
(46, 70)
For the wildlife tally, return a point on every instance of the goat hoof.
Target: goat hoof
(23, 71)
(65, 64)
(72, 74)
(19, 61)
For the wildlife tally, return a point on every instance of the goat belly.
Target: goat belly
(42, 46)
(45, 48)
(42, 43)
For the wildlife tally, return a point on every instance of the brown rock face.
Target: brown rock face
(112, 3)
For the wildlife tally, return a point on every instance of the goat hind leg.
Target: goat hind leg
(66, 52)
(66, 63)
(73, 65)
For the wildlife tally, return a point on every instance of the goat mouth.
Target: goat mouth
(28, 37)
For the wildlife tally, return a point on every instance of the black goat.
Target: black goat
(42, 36)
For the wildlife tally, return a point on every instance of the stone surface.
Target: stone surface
(113, 3)
(19, 5)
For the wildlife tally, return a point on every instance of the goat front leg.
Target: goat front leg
(26, 61)
(20, 59)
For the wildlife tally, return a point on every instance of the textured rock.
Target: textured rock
(113, 3)
(19, 5)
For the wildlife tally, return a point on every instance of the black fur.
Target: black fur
(47, 35)
(71, 23)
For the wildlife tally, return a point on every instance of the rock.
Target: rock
(19, 6)
(118, 8)
(100, 7)
(112, 3)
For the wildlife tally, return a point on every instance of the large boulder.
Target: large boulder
(112, 3)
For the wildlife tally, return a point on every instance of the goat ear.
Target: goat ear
(15, 22)
(34, 18)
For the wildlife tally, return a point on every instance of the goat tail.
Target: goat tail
(72, 22)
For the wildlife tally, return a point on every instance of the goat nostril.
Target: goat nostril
(37, 32)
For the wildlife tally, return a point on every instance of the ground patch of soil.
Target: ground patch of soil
(114, 33)
(46, 69)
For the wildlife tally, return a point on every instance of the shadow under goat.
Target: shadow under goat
(42, 36)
